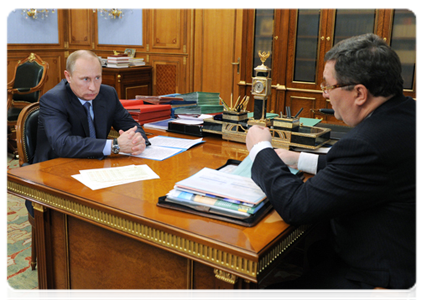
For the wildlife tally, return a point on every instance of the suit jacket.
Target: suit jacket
(63, 125)
(366, 188)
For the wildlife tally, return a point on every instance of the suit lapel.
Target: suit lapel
(100, 113)
(78, 110)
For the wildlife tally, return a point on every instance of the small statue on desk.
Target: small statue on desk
(261, 89)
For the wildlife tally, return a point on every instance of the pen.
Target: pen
(245, 103)
(236, 103)
(298, 113)
(224, 103)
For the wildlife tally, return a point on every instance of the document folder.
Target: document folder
(247, 221)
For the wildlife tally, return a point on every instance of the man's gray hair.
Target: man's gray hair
(366, 59)
(70, 62)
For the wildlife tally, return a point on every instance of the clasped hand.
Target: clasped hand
(131, 141)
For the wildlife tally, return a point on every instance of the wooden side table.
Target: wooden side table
(129, 82)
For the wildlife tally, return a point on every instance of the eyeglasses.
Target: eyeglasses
(327, 88)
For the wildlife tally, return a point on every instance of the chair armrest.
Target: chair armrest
(24, 90)
(11, 84)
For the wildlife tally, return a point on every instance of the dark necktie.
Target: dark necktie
(90, 120)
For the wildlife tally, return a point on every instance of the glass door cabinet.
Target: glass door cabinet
(298, 41)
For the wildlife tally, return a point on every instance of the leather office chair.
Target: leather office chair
(379, 293)
(26, 135)
(25, 88)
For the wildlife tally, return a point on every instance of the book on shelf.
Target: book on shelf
(120, 65)
(136, 62)
(118, 61)
(121, 56)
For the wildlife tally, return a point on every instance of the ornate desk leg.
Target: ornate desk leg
(227, 280)
(42, 245)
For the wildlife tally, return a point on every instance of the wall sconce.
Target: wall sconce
(35, 13)
(111, 13)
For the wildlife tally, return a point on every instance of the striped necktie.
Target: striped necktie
(87, 106)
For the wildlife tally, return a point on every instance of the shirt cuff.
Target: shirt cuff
(258, 147)
(107, 150)
(307, 162)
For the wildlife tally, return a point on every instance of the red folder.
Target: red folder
(126, 103)
(147, 113)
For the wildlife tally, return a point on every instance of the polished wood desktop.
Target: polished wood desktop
(118, 238)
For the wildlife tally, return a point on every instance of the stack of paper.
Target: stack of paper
(219, 192)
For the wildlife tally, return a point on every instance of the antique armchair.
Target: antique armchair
(26, 136)
(25, 88)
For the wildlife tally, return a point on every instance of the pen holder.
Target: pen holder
(285, 123)
(234, 116)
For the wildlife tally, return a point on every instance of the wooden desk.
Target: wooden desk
(129, 82)
(118, 238)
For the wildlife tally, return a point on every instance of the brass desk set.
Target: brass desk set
(286, 130)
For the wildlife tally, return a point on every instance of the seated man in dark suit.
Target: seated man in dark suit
(68, 128)
(365, 187)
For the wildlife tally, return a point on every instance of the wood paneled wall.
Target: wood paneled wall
(167, 46)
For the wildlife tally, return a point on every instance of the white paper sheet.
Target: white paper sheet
(213, 182)
(157, 153)
(163, 147)
(105, 177)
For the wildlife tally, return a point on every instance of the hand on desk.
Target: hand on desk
(131, 141)
(257, 134)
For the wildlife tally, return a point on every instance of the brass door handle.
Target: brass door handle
(237, 64)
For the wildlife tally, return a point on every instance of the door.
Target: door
(217, 51)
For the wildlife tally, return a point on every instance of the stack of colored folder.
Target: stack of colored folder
(146, 113)
(205, 103)
(219, 193)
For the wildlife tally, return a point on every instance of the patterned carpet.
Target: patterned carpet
(19, 272)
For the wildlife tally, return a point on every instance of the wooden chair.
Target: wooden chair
(25, 88)
(26, 135)
(379, 293)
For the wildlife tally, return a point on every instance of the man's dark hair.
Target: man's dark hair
(366, 59)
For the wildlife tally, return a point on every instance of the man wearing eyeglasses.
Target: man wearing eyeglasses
(365, 187)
